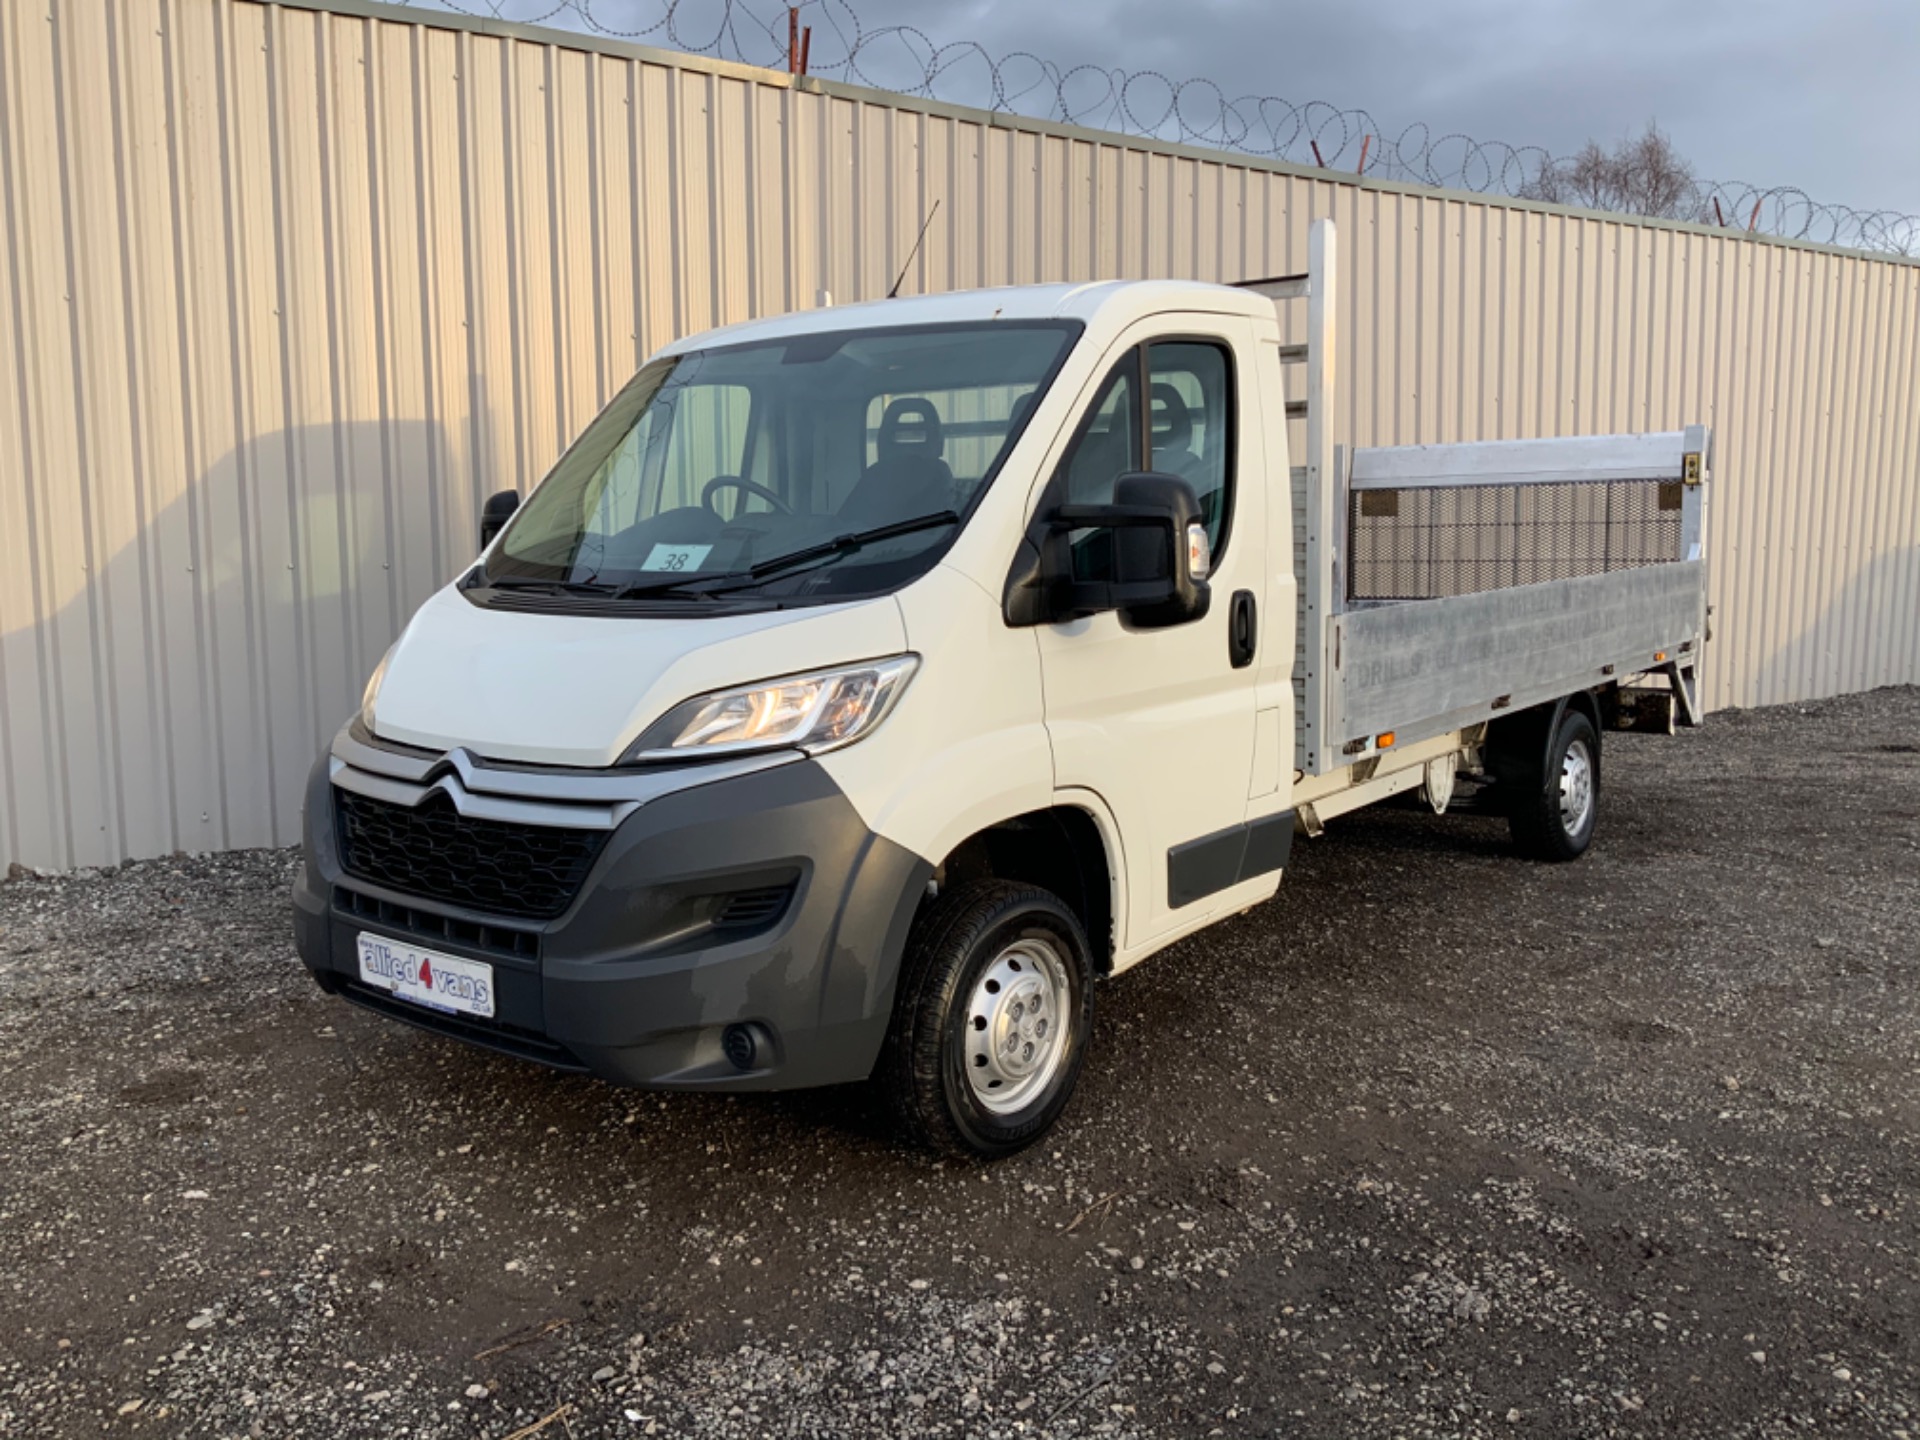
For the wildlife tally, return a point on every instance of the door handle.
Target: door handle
(1243, 630)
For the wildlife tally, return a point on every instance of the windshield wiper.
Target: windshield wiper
(702, 586)
(824, 552)
(840, 545)
(845, 544)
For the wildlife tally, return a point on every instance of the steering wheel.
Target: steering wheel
(736, 482)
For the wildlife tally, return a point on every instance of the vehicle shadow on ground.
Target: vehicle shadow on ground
(1407, 824)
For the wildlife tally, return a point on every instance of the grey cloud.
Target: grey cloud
(1772, 92)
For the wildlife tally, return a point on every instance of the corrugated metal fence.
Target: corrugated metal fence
(288, 291)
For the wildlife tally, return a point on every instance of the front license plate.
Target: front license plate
(426, 977)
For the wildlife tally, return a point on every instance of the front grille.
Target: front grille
(433, 851)
(435, 928)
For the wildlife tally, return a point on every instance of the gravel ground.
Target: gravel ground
(1438, 1142)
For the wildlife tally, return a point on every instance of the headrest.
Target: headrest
(911, 426)
(1022, 408)
(1172, 421)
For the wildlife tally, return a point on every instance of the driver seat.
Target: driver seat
(909, 478)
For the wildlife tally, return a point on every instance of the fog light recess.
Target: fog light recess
(748, 1047)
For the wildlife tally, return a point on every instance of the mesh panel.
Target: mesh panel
(1423, 544)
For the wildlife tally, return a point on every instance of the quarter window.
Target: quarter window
(1109, 445)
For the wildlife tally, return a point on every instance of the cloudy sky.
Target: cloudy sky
(1813, 93)
(1817, 94)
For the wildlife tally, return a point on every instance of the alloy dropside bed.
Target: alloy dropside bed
(1440, 586)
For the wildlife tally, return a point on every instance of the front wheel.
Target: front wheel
(991, 1022)
(1558, 799)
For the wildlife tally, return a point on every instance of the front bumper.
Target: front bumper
(628, 982)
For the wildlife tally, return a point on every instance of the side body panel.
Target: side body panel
(1159, 722)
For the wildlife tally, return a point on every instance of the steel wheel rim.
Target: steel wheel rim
(1576, 787)
(1017, 1026)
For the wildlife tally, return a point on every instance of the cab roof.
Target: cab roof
(1110, 302)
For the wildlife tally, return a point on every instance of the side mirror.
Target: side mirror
(495, 514)
(1145, 555)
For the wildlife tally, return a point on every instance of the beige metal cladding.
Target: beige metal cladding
(287, 292)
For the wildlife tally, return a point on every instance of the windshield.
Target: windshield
(826, 465)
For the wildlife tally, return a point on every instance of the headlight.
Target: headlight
(816, 712)
(372, 692)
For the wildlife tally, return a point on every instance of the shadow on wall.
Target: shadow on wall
(175, 697)
(1865, 637)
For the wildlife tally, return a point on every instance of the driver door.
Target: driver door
(1160, 722)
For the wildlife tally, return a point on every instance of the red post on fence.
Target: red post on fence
(1718, 213)
(806, 47)
(1753, 219)
(1361, 168)
(793, 40)
(1316, 154)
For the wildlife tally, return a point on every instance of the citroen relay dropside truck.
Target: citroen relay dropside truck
(863, 686)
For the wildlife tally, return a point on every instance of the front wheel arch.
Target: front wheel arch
(1060, 850)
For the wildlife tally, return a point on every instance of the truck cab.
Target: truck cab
(863, 685)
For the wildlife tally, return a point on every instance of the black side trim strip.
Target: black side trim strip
(1199, 868)
(1269, 843)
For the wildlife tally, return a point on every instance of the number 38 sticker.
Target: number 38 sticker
(676, 557)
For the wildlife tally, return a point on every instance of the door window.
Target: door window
(1190, 383)
(1186, 430)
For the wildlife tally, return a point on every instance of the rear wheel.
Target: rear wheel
(1556, 797)
(991, 1022)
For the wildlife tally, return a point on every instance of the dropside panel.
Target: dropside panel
(1427, 666)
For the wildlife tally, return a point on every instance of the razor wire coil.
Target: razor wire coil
(1150, 104)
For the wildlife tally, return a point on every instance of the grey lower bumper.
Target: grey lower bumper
(628, 982)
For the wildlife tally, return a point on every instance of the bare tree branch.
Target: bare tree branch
(1643, 175)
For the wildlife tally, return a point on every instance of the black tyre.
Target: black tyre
(1555, 797)
(991, 1021)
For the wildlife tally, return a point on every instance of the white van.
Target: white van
(863, 685)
